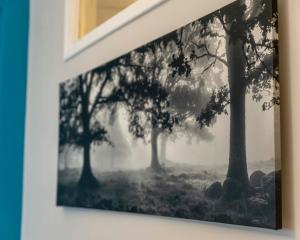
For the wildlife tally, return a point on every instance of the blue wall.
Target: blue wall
(14, 16)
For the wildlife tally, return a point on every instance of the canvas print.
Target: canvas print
(185, 126)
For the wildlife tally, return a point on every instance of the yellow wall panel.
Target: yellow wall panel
(94, 12)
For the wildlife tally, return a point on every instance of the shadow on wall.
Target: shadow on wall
(286, 120)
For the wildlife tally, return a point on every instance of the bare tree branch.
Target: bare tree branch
(99, 94)
(209, 54)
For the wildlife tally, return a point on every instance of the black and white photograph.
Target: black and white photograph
(185, 126)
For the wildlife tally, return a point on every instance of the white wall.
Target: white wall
(42, 220)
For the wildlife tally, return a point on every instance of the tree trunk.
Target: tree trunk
(154, 152)
(163, 149)
(87, 178)
(237, 169)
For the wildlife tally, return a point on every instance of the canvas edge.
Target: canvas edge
(277, 140)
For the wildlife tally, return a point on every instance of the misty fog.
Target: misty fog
(210, 150)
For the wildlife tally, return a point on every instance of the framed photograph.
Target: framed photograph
(185, 126)
(89, 21)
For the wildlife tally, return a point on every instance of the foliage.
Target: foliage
(255, 23)
(81, 100)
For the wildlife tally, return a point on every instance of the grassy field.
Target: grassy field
(174, 192)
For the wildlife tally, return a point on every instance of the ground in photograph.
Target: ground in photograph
(181, 191)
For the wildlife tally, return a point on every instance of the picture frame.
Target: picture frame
(73, 46)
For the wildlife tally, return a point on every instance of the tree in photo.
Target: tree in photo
(81, 101)
(145, 97)
(160, 95)
(241, 38)
(188, 91)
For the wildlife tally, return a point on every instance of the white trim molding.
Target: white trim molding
(73, 46)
